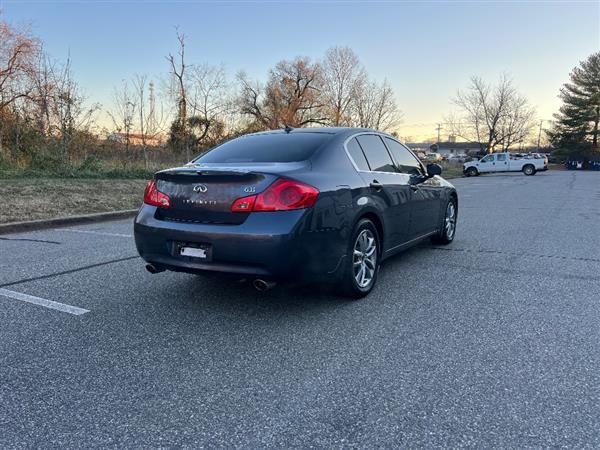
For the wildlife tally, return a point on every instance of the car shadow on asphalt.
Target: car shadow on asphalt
(220, 291)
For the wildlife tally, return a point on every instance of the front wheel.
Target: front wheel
(448, 227)
(362, 264)
(472, 172)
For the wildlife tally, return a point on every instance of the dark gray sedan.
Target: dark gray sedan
(318, 204)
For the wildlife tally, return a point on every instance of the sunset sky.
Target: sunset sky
(427, 50)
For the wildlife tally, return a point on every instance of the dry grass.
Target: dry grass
(46, 198)
(452, 172)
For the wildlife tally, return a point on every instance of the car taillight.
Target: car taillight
(243, 204)
(282, 195)
(152, 196)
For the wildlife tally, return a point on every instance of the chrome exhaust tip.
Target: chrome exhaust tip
(262, 285)
(153, 269)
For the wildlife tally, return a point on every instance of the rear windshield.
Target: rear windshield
(262, 148)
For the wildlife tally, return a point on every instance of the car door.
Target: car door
(425, 193)
(389, 188)
(487, 164)
(501, 163)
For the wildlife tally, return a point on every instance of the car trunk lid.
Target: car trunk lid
(205, 193)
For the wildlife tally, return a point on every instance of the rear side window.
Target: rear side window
(357, 155)
(377, 155)
(407, 163)
(262, 148)
(501, 157)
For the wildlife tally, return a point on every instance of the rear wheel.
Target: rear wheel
(472, 172)
(362, 264)
(529, 169)
(448, 226)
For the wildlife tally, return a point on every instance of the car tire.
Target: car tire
(361, 266)
(472, 172)
(447, 230)
(529, 169)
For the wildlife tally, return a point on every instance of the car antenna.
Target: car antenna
(288, 128)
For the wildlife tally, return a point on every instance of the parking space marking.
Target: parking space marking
(76, 311)
(101, 233)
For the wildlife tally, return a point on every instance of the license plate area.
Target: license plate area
(192, 251)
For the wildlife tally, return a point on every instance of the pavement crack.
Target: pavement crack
(66, 272)
(43, 241)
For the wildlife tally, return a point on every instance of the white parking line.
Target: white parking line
(43, 302)
(101, 233)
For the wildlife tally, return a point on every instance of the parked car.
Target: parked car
(505, 162)
(422, 156)
(458, 158)
(434, 157)
(326, 204)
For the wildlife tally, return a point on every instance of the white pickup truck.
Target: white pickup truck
(505, 162)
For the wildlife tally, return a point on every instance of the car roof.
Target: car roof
(327, 130)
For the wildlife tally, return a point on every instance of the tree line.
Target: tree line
(46, 120)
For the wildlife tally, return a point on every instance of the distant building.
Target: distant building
(446, 148)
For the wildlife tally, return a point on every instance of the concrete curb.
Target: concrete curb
(21, 227)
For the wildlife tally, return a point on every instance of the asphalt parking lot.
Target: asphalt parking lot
(492, 341)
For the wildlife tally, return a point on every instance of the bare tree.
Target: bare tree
(251, 101)
(150, 115)
(178, 66)
(374, 106)
(517, 123)
(343, 75)
(210, 101)
(70, 112)
(491, 115)
(291, 97)
(124, 112)
(42, 96)
(18, 50)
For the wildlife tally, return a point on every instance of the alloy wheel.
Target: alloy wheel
(450, 221)
(364, 261)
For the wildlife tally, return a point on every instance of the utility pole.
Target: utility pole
(540, 135)
(439, 127)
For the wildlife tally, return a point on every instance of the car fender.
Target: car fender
(370, 208)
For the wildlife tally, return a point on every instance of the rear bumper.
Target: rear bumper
(276, 245)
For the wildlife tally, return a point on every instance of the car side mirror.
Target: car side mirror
(433, 170)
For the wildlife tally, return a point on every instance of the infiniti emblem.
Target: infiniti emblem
(200, 188)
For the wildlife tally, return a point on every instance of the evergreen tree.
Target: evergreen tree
(576, 123)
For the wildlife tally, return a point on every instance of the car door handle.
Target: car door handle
(376, 185)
